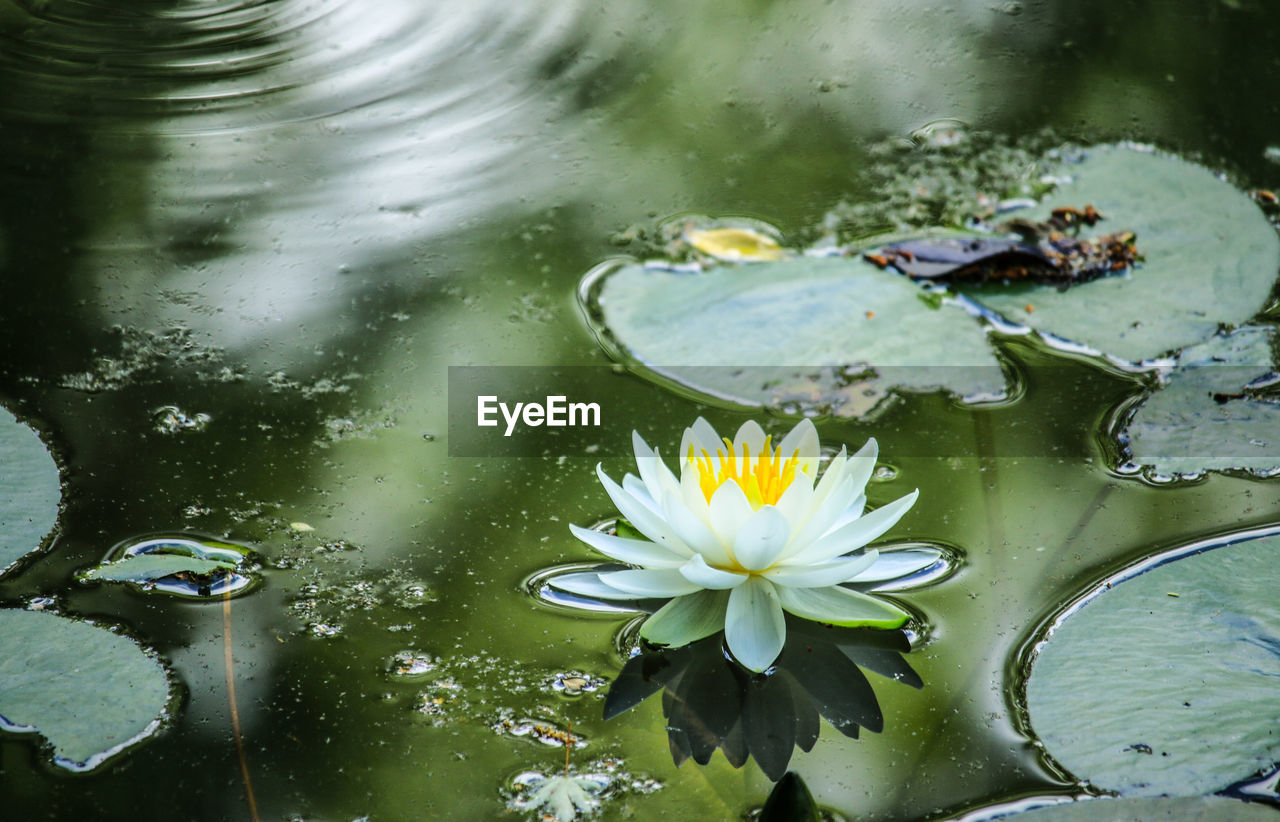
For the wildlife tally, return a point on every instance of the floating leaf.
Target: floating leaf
(1176, 809)
(29, 491)
(1214, 413)
(1210, 258)
(734, 244)
(808, 334)
(91, 693)
(181, 565)
(156, 566)
(1165, 682)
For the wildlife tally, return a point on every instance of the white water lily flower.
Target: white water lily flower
(743, 535)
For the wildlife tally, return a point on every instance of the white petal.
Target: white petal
(654, 472)
(702, 437)
(822, 518)
(803, 438)
(639, 515)
(822, 574)
(754, 626)
(703, 575)
(694, 499)
(587, 584)
(851, 512)
(795, 502)
(863, 463)
(752, 434)
(693, 531)
(761, 539)
(656, 583)
(630, 551)
(840, 606)
(857, 533)
(633, 486)
(897, 564)
(686, 619)
(831, 477)
(729, 511)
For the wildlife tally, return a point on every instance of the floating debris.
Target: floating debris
(438, 700)
(1042, 252)
(537, 730)
(411, 665)
(170, 419)
(575, 683)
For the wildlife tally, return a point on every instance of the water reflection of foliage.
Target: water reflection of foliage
(711, 702)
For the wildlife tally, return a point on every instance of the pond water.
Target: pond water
(243, 244)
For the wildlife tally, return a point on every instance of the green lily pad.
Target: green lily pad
(181, 565)
(29, 491)
(807, 334)
(1211, 258)
(155, 566)
(1174, 809)
(1165, 683)
(1214, 412)
(90, 692)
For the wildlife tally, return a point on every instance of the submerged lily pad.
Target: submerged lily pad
(1165, 682)
(810, 334)
(1215, 411)
(1210, 258)
(29, 491)
(91, 693)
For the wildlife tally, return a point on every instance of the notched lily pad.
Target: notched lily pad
(29, 491)
(805, 335)
(179, 565)
(1164, 683)
(1219, 410)
(90, 692)
(1159, 253)
(1210, 258)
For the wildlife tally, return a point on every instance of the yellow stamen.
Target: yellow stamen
(763, 479)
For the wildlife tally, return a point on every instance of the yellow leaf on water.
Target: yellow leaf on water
(737, 244)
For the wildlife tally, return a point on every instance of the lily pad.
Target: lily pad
(155, 566)
(1164, 683)
(90, 692)
(810, 334)
(1210, 258)
(1215, 412)
(182, 565)
(29, 491)
(1174, 809)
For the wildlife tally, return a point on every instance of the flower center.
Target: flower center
(762, 477)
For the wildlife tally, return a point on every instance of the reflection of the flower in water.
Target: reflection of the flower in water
(712, 702)
(743, 535)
